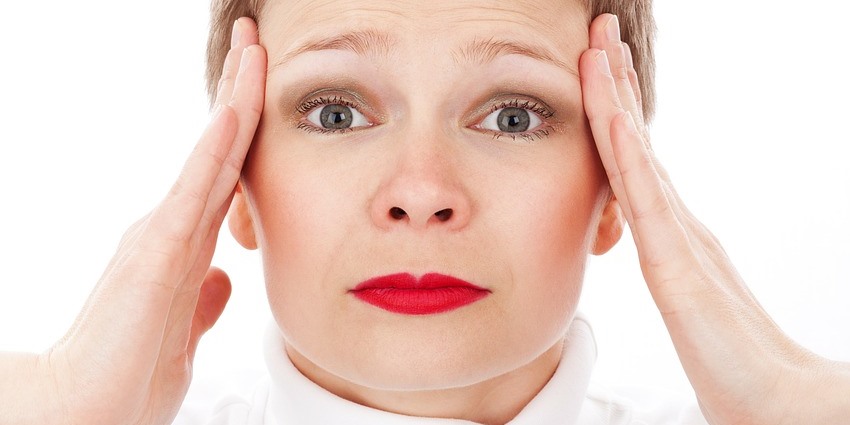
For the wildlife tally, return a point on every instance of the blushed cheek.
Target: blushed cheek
(289, 207)
(565, 235)
(558, 242)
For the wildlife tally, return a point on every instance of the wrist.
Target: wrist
(27, 391)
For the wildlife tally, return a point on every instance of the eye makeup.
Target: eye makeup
(545, 115)
(537, 106)
(321, 94)
(355, 98)
(305, 108)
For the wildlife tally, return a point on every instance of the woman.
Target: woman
(472, 215)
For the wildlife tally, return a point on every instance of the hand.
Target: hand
(128, 358)
(743, 368)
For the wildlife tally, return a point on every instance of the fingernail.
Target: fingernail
(630, 123)
(612, 29)
(629, 59)
(235, 34)
(246, 59)
(218, 87)
(602, 63)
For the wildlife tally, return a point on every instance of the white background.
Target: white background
(100, 102)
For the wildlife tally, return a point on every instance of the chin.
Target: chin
(434, 358)
(428, 374)
(378, 350)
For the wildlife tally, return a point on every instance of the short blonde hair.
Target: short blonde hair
(637, 28)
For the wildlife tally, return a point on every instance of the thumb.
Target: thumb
(215, 291)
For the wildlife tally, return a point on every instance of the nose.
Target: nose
(422, 191)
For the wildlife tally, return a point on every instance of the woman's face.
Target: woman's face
(446, 137)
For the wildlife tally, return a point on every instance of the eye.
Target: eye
(336, 117)
(511, 120)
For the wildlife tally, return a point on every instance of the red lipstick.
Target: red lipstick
(432, 293)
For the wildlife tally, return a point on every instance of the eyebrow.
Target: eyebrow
(379, 44)
(364, 43)
(482, 51)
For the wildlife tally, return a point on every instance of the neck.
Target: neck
(492, 402)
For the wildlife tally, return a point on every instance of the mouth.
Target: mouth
(432, 293)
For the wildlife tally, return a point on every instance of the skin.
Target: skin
(424, 153)
(158, 296)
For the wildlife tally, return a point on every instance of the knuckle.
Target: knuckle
(620, 73)
(223, 82)
(173, 224)
(223, 90)
(632, 76)
(216, 157)
(132, 232)
(603, 112)
(615, 176)
(256, 110)
(674, 275)
(157, 257)
(226, 79)
(657, 207)
(634, 83)
(231, 61)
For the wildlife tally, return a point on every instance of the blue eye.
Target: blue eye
(511, 120)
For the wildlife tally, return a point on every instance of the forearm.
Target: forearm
(26, 396)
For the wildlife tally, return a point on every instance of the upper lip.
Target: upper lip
(409, 281)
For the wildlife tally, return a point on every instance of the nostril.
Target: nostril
(397, 213)
(444, 215)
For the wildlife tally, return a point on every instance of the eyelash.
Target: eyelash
(527, 136)
(311, 104)
(530, 105)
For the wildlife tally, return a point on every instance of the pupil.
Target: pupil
(336, 117)
(513, 120)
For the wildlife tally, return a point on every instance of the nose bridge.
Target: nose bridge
(423, 188)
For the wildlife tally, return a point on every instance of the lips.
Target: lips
(405, 294)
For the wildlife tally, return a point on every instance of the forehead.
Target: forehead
(558, 26)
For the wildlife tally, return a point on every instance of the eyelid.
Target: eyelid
(513, 100)
(325, 96)
(524, 102)
(328, 97)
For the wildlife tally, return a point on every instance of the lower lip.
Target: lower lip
(419, 301)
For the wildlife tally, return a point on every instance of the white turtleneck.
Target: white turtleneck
(286, 397)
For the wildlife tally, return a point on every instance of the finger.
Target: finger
(604, 110)
(172, 225)
(207, 183)
(215, 292)
(180, 226)
(663, 237)
(243, 34)
(633, 77)
(602, 104)
(605, 35)
(179, 323)
(247, 101)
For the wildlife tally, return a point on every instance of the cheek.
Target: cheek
(567, 213)
(552, 230)
(303, 213)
